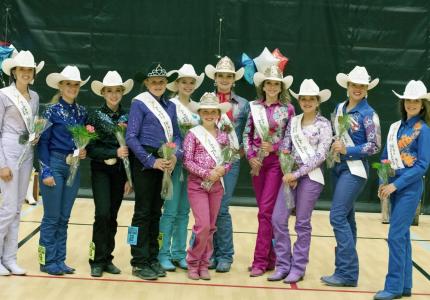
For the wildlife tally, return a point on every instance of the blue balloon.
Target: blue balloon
(249, 66)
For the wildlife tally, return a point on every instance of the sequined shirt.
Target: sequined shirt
(413, 140)
(319, 135)
(278, 116)
(197, 160)
(57, 137)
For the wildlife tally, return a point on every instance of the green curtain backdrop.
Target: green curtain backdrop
(320, 37)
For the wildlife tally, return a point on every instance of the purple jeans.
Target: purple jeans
(306, 195)
(266, 186)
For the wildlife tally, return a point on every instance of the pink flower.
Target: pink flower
(286, 151)
(122, 124)
(171, 145)
(386, 161)
(90, 128)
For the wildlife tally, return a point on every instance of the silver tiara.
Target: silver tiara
(158, 71)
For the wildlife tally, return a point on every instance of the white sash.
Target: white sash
(232, 135)
(21, 104)
(210, 143)
(356, 167)
(260, 118)
(393, 148)
(155, 107)
(185, 116)
(302, 146)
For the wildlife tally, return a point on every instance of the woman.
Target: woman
(18, 107)
(152, 123)
(308, 139)
(225, 76)
(361, 140)
(108, 177)
(56, 150)
(174, 220)
(407, 151)
(263, 134)
(203, 159)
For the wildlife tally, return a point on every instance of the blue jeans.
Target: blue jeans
(347, 188)
(57, 205)
(174, 220)
(403, 206)
(223, 238)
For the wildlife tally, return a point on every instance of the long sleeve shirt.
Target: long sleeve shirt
(413, 140)
(105, 121)
(240, 111)
(11, 121)
(197, 160)
(278, 116)
(57, 137)
(319, 135)
(145, 130)
(365, 131)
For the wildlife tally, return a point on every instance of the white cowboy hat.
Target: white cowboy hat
(415, 89)
(275, 74)
(22, 59)
(211, 101)
(310, 88)
(357, 75)
(265, 60)
(186, 70)
(112, 78)
(224, 65)
(69, 73)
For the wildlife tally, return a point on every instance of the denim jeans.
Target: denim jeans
(57, 205)
(347, 188)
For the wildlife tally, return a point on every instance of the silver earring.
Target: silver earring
(234, 84)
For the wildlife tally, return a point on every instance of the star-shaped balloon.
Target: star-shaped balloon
(265, 60)
(283, 61)
(248, 65)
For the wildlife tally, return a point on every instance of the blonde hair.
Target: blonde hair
(56, 98)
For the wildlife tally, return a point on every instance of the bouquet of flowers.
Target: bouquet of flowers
(166, 151)
(287, 163)
(185, 127)
(38, 126)
(120, 131)
(81, 135)
(384, 171)
(344, 125)
(229, 155)
(261, 154)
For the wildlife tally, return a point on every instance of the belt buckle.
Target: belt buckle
(110, 161)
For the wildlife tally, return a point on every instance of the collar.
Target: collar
(412, 121)
(359, 107)
(66, 104)
(105, 109)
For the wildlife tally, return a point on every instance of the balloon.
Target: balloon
(283, 61)
(265, 60)
(248, 65)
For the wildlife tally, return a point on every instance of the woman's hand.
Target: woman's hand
(127, 188)
(82, 153)
(49, 181)
(293, 184)
(6, 174)
(122, 152)
(214, 176)
(386, 190)
(267, 147)
(35, 141)
(288, 178)
(220, 171)
(339, 147)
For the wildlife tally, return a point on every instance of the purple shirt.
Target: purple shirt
(319, 135)
(278, 115)
(144, 129)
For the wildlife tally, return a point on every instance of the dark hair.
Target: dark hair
(424, 113)
(284, 95)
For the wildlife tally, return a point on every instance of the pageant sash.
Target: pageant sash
(393, 148)
(21, 104)
(260, 118)
(232, 136)
(185, 116)
(356, 167)
(305, 150)
(155, 107)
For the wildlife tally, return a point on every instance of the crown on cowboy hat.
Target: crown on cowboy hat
(22, 59)
(155, 69)
(211, 101)
(186, 70)
(357, 75)
(224, 65)
(309, 88)
(415, 89)
(273, 73)
(112, 78)
(69, 73)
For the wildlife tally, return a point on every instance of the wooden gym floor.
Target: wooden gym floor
(237, 284)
